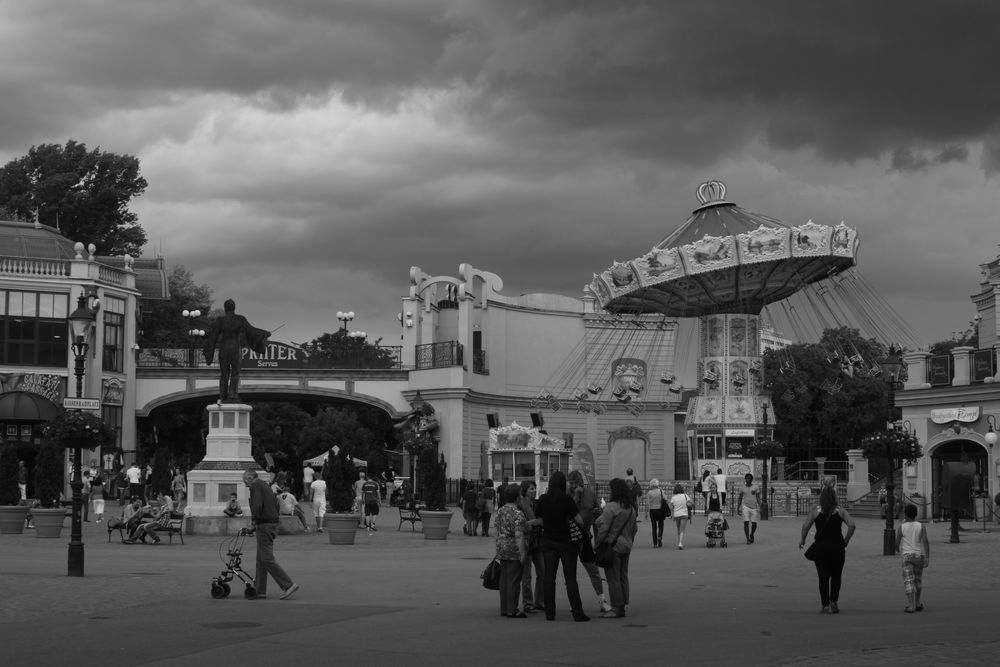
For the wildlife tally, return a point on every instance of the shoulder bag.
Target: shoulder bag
(664, 506)
(491, 575)
(604, 555)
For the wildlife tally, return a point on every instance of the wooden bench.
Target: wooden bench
(176, 527)
(411, 514)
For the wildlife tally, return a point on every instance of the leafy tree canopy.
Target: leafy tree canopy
(162, 322)
(349, 352)
(83, 193)
(819, 401)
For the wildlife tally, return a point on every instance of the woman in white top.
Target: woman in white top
(912, 545)
(680, 505)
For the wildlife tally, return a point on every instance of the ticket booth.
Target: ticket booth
(522, 452)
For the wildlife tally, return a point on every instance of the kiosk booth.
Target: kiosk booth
(522, 452)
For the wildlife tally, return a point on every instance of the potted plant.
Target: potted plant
(435, 518)
(341, 519)
(49, 516)
(12, 511)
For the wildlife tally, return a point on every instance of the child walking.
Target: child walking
(912, 545)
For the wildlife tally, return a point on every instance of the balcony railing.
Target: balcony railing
(439, 355)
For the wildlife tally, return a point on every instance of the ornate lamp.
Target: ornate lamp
(991, 435)
(81, 324)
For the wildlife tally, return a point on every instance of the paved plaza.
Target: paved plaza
(394, 598)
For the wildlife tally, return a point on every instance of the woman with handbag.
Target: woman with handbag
(683, 506)
(616, 529)
(554, 512)
(511, 551)
(828, 550)
(532, 596)
(659, 510)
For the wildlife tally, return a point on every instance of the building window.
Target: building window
(709, 447)
(33, 328)
(113, 358)
(113, 415)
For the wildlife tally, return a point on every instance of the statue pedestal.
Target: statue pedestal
(227, 456)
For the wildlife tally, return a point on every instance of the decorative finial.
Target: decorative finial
(78, 247)
(91, 249)
(712, 192)
(129, 262)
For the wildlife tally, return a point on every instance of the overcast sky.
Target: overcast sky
(303, 154)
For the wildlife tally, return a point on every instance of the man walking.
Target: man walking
(264, 509)
(134, 476)
(370, 499)
(590, 508)
(749, 502)
(317, 494)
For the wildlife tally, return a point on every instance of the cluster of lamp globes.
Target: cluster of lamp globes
(192, 314)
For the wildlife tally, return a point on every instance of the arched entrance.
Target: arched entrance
(952, 452)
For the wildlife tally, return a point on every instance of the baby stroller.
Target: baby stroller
(715, 530)
(232, 561)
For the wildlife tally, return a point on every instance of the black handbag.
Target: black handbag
(810, 553)
(604, 554)
(491, 575)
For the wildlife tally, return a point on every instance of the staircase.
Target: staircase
(868, 504)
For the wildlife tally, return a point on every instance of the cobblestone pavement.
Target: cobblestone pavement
(394, 597)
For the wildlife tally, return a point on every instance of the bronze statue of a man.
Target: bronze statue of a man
(230, 333)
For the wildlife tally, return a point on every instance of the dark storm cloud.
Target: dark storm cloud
(670, 80)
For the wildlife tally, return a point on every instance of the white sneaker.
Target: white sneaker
(605, 607)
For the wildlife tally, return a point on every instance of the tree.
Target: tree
(340, 350)
(85, 194)
(433, 480)
(968, 337)
(822, 398)
(162, 322)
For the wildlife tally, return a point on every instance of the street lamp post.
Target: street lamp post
(81, 322)
(765, 511)
(345, 317)
(891, 366)
(194, 333)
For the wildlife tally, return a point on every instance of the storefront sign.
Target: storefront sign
(963, 414)
(740, 433)
(51, 387)
(277, 355)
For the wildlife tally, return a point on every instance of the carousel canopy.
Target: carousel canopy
(725, 259)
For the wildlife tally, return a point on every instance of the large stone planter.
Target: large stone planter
(435, 524)
(48, 522)
(12, 519)
(341, 528)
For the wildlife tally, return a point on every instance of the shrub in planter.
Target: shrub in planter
(432, 479)
(49, 474)
(10, 494)
(340, 477)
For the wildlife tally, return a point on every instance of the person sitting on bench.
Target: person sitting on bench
(161, 519)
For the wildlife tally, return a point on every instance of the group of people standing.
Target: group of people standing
(564, 526)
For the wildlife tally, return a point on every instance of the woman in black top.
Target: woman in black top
(830, 545)
(554, 512)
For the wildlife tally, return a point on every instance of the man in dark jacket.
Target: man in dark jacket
(264, 508)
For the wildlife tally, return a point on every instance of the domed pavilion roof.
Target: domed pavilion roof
(34, 240)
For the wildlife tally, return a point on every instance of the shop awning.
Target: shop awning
(25, 406)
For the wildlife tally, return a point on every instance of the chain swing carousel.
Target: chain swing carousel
(723, 266)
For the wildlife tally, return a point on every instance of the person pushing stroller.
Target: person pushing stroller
(715, 526)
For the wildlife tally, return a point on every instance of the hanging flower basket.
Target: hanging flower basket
(765, 449)
(897, 444)
(79, 428)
